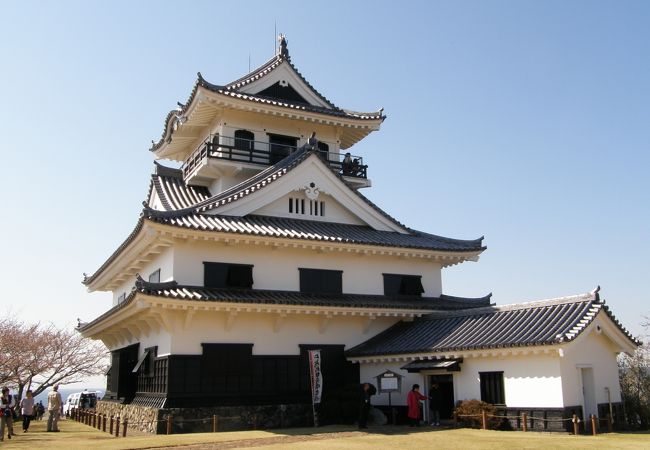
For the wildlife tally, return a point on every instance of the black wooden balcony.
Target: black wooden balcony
(265, 154)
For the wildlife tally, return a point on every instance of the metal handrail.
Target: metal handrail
(265, 153)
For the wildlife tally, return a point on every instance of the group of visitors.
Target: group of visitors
(413, 400)
(10, 411)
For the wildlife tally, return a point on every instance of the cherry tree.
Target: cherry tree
(36, 356)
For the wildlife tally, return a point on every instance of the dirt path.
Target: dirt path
(244, 443)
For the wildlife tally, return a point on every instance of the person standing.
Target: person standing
(413, 401)
(7, 404)
(40, 410)
(54, 405)
(434, 404)
(27, 409)
(364, 406)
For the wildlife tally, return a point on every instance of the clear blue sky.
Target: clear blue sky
(526, 122)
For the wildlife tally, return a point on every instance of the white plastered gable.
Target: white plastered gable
(285, 75)
(154, 201)
(342, 204)
(602, 325)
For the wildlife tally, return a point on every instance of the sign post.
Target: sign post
(316, 381)
(390, 382)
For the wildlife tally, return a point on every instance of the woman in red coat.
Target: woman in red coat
(413, 401)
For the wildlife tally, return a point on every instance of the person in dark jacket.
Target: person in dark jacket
(367, 390)
(434, 404)
(7, 405)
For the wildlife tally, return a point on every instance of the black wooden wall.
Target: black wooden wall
(229, 374)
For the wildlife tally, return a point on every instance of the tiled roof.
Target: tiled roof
(267, 68)
(261, 296)
(536, 323)
(172, 290)
(196, 218)
(176, 198)
(246, 187)
(315, 231)
(172, 191)
(233, 90)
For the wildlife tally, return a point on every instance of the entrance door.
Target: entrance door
(281, 147)
(588, 392)
(445, 395)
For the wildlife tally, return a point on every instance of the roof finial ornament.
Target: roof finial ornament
(595, 293)
(283, 51)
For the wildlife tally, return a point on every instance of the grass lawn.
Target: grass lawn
(74, 435)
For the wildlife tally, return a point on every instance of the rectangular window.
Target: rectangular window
(321, 281)
(492, 388)
(395, 284)
(148, 366)
(223, 275)
(155, 277)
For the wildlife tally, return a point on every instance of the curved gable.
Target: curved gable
(284, 83)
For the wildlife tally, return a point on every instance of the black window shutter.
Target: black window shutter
(392, 284)
(215, 275)
(492, 389)
(240, 275)
(411, 285)
(395, 284)
(321, 281)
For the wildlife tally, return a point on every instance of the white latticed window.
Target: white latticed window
(306, 207)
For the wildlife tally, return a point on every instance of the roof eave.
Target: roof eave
(369, 121)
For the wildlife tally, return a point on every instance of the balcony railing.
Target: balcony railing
(265, 153)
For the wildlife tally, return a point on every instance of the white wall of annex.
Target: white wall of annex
(590, 350)
(529, 381)
(269, 337)
(277, 269)
(164, 261)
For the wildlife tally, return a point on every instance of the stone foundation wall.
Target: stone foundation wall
(235, 418)
(141, 418)
(196, 420)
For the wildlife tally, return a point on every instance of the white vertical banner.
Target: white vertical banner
(316, 376)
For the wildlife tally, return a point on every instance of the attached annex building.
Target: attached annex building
(261, 247)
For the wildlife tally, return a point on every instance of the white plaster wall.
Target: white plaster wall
(529, 381)
(258, 329)
(278, 269)
(159, 338)
(334, 211)
(594, 350)
(225, 182)
(164, 261)
(261, 124)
